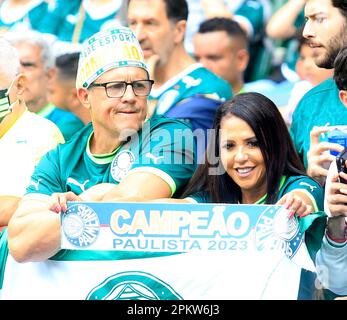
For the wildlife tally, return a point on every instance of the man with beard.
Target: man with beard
(321, 107)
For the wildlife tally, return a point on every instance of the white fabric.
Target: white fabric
(212, 275)
(14, 14)
(21, 148)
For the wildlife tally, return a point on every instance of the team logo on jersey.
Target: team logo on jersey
(191, 82)
(155, 159)
(81, 225)
(308, 185)
(35, 184)
(133, 285)
(121, 164)
(275, 231)
(82, 186)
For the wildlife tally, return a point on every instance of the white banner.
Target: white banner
(167, 251)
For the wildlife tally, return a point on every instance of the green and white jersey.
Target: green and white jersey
(163, 147)
(319, 107)
(250, 13)
(193, 81)
(27, 17)
(68, 19)
(21, 148)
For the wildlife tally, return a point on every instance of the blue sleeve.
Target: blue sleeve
(198, 109)
(331, 261)
(200, 112)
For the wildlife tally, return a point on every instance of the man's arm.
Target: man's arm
(281, 25)
(34, 230)
(8, 205)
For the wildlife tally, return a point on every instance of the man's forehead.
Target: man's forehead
(121, 73)
(144, 9)
(313, 7)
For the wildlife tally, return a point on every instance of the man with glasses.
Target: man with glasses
(117, 157)
(24, 136)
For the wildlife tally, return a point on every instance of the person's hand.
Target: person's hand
(296, 204)
(317, 157)
(59, 201)
(215, 8)
(336, 196)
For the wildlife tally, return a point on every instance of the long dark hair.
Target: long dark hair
(274, 140)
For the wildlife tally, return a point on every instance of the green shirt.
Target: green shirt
(193, 81)
(64, 19)
(319, 107)
(32, 19)
(253, 12)
(158, 148)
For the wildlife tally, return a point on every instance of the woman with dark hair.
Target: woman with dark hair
(251, 159)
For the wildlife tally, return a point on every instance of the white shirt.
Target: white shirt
(21, 148)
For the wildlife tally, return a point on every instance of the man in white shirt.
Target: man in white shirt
(24, 136)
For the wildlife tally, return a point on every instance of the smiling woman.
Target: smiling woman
(257, 164)
(257, 160)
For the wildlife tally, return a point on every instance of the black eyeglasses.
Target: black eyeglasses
(116, 89)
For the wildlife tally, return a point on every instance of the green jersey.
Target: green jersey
(74, 21)
(31, 18)
(192, 96)
(163, 147)
(319, 107)
(193, 81)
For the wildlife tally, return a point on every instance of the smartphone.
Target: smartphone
(340, 163)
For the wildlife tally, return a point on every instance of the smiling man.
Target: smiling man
(325, 30)
(117, 157)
